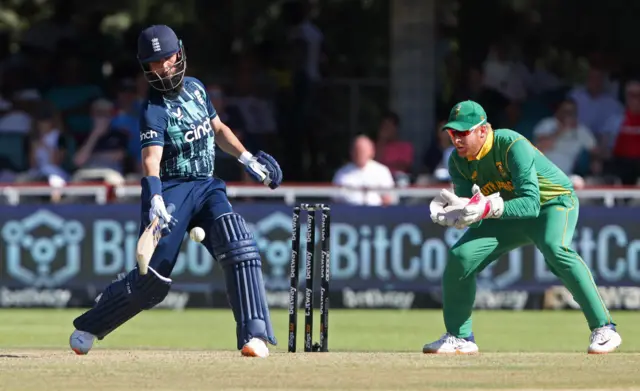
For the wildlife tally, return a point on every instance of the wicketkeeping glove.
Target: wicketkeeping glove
(480, 207)
(446, 207)
(262, 168)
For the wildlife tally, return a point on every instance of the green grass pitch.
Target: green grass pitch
(369, 349)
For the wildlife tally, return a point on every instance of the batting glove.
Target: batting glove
(262, 168)
(158, 209)
(480, 207)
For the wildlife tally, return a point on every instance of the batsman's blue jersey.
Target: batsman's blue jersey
(182, 125)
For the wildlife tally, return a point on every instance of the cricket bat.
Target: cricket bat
(147, 245)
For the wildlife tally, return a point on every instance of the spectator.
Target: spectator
(227, 166)
(306, 40)
(305, 47)
(562, 138)
(142, 93)
(256, 112)
(544, 75)
(441, 172)
(511, 116)
(364, 173)
(472, 86)
(105, 147)
(437, 157)
(624, 130)
(73, 96)
(126, 121)
(230, 115)
(397, 155)
(15, 126)
(475, 88)
(504, 75)
(45, 155)
(595, 105)
(18, 119)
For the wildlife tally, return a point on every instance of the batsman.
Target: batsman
(179, 128)
(508, 194)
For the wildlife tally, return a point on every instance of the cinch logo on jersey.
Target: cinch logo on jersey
(148, 135)
(199, 131)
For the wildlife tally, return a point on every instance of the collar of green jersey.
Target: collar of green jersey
(486, 147)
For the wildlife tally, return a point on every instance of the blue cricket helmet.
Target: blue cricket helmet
(156, 43)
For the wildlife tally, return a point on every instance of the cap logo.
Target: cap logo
(458, 107)
(155, 44)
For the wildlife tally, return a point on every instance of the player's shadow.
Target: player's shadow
(11, 356)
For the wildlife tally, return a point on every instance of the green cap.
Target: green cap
(466, 115)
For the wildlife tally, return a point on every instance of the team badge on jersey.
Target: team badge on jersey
(199, 97)
(501, 170)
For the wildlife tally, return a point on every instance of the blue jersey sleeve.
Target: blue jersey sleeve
(212, 111)
(153, 124)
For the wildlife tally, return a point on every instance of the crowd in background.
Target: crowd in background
(65, 116)
(590, 128)
(70, 113)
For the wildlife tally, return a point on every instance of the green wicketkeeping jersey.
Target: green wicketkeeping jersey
(509, 164)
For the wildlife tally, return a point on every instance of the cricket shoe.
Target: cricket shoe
(255, 348)
(81, 342)
(604, 340)
(449, 344)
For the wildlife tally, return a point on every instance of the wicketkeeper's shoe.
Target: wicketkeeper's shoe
(449, 344)
(81, 341)
(604, 340)
(255, 348)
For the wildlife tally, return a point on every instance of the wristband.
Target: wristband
(151, 185)
(245, 157)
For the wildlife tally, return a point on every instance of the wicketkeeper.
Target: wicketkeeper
(509, 195)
